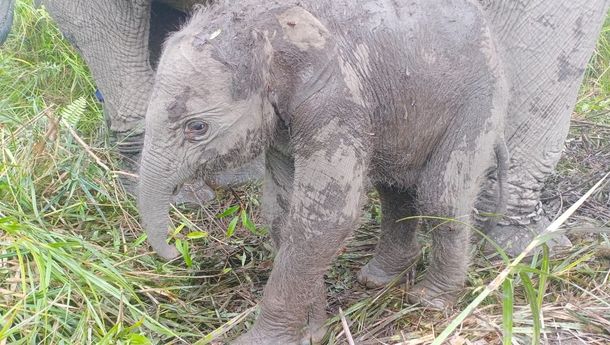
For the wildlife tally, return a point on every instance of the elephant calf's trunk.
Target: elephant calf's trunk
(153, 203)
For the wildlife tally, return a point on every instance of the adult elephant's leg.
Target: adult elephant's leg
(545, 46)
(6, 18)
(112, 37)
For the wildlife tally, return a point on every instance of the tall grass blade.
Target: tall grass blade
(507, 311)
(530, 293)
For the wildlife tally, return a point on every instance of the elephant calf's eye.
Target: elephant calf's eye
(195, 129)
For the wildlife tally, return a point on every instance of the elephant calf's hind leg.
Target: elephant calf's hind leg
(397, 251)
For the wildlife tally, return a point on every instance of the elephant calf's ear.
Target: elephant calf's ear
(266, 60)
(250, 64)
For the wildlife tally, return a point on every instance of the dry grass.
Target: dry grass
(74, 267)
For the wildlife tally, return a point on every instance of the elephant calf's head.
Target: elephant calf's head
(207, 113)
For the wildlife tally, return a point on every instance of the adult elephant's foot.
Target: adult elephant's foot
(255, 337)
(428, 294)
(514, 238)
(376, 274)
(258, 336)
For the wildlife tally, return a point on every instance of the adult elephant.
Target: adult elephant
(545, 46)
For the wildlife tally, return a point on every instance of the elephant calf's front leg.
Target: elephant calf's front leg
(277, 189)
(324, 209)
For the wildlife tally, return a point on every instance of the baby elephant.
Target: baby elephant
(410, 93)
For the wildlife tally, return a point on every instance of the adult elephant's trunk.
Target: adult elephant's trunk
(159, 177)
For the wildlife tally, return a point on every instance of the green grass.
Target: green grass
(595, 99)
(75, 268)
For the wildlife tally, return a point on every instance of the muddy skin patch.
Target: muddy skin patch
(351, 77)
(302, 29)
(177, 108)
(352, 82)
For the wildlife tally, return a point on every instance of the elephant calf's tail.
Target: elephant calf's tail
(6, 18)
(502, 159)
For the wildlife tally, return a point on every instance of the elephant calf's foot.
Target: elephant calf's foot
(374, 274)
(427, 294)
(312, 334)
(513, 239)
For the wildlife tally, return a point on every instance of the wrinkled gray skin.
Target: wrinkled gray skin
(331, 92)
(544, 44)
